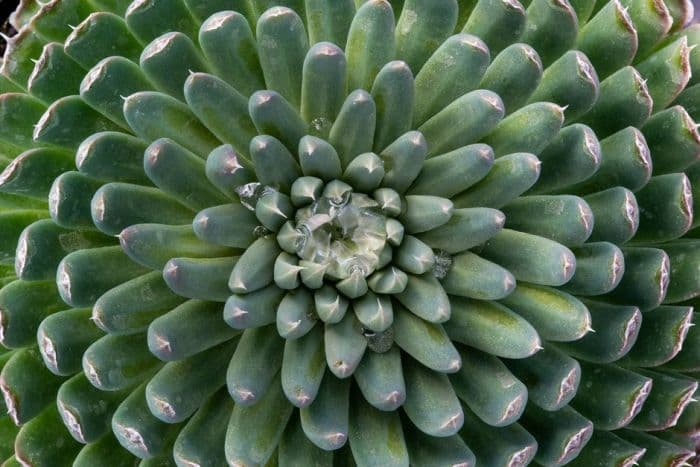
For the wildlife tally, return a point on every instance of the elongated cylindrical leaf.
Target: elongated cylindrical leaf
(454, 69)
(118, 362)
(488, 388)
(180, 388)
(609, 395)
(616, 330)
(516, 251)
(492, 328)
(187, 330)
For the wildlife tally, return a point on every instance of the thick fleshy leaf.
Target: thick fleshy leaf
(86, 410)
(510, 176)
(344, 346)
(63, 338)
(106, 450)
(616, 215)
(393, 92)
(329, 20)
(604, 447)
(148, 20)
(683, 258)
(570, 158)
(221, 108)
(466, 120)
(616, 330)
(168, 60)
(370, 42)
(551, 28)
(144, 243)
(275, 166)
(531, 258)
(492, 328)
(202, 439)
(556, 315)
(514, 75)
(613, 26)
(560, 435)
(324, 82)
(353, 131)
(424, 213)
(187, 330)
(451, 173)
(652, 22)
(295, 314)
(673, 140)
(610, 396)
(416, 40)
(70, 199)
(109, 80)
(403, 160)
(666, 208)
(55, 74)
(466, 229)
(84, 275)
(657, 450)
(380, 378)
(474, 277)
(255, 365)
(68, 121)
(295, 448)
(543, 121)
(646, 278)
(431, 403)
(200, 278)
(27, 385)
(426, 342)
(255, 309)
(14, 223)
(229, 224)
(180, 388)
(282, 44)
(228, 44)
(45, 440)
(112, 157)
(454, 69)
(662, 336)
(118, 362)
(551, 377)
(667, 72)
(138, 431)
(572, 225)
(254, 431)
(495, 447)
(131, 306)
(100, 35)
(153, 115)
(376, 438)
(254, 269)
(425, 297)
(624, 101)
(303, 366)
(669, 396)
(489, 388)
(32, 172)
(325, 422)
(687, 358)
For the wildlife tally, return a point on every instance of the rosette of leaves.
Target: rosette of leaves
(337, 232)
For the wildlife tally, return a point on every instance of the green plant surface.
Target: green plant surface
(350, 233)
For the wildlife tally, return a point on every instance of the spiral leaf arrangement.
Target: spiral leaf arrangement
(346, 232)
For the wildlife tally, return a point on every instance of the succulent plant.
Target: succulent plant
(347, 232)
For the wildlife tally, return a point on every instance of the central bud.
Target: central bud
(343, 231)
